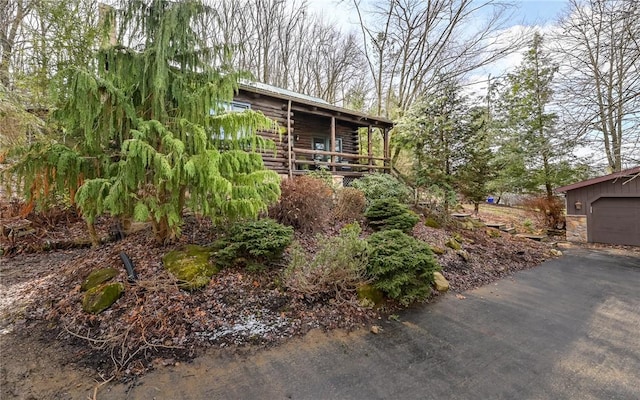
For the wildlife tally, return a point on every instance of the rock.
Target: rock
(555, 253)
(537, 238)
(375, 329)
(493, 233)
(101, 297)
(369, 296)
(190, 266)
(460, 215)
(97, 277)
(440, 282)
(437, 250)
(564, 245)
(453, 244)
(463, 254)
(467, 225)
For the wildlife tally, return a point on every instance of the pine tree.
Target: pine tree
(146, 132)
(532, 147)
(435, 130)
(478, 170)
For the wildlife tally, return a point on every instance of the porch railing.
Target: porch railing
(335, 160)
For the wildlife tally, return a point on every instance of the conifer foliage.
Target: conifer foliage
(146, 132)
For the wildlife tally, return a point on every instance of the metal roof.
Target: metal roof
(285, 94)
(281, 91)
(593, 181)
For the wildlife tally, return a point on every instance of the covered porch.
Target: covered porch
(317, 135)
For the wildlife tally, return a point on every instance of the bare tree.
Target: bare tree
(12, 15)
(411, 45)
(281, 43)
(600, 64)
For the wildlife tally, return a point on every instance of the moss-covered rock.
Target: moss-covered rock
(98, 277)
(453, 244)
(437, 250)
(440, 282)
(190, 266)
(369, 296)
(493, 233)
(99, 298)
(463, 254)
(467, 225)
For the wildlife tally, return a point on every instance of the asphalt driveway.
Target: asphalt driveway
(569, 329)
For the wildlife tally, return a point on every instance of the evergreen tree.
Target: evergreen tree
(531, 147)
(436, 131)
(478, 169)
(146, 132)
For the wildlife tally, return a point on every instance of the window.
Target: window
(231, 107)
(324, 144)
(236, 106)
(321, 144)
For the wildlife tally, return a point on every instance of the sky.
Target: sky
(539, 12)
(527, 12)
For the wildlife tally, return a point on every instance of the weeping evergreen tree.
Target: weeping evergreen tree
(146, 132)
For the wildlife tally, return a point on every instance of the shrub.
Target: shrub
(390, 214)
(401, 266)
(257, 242)
(304, 204)
(382, 186)
(336, 270)
(431, 222)
(350, 205)
(324, 175)
(548, 211)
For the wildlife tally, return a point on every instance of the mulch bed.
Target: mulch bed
(155, 322)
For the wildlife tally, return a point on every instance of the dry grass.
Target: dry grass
(523, 220)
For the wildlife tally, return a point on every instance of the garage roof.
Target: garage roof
(621, 174)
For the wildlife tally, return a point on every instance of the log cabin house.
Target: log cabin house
(316, 133)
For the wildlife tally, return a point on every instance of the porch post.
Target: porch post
(369, 145)
(289, 140)
(385, 139)
(333, 142)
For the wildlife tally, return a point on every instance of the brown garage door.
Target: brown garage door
(615, 220)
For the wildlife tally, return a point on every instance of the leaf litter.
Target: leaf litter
(156, 320)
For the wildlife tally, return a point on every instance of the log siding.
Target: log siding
(303, 122)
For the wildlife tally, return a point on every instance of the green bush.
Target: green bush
(382, 186)
(305, 203)
(350, 205)
(336, 270)
(401, 266)
(390, 214)
(254, 243)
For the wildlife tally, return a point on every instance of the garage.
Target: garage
(604, 209)
(615, 220)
